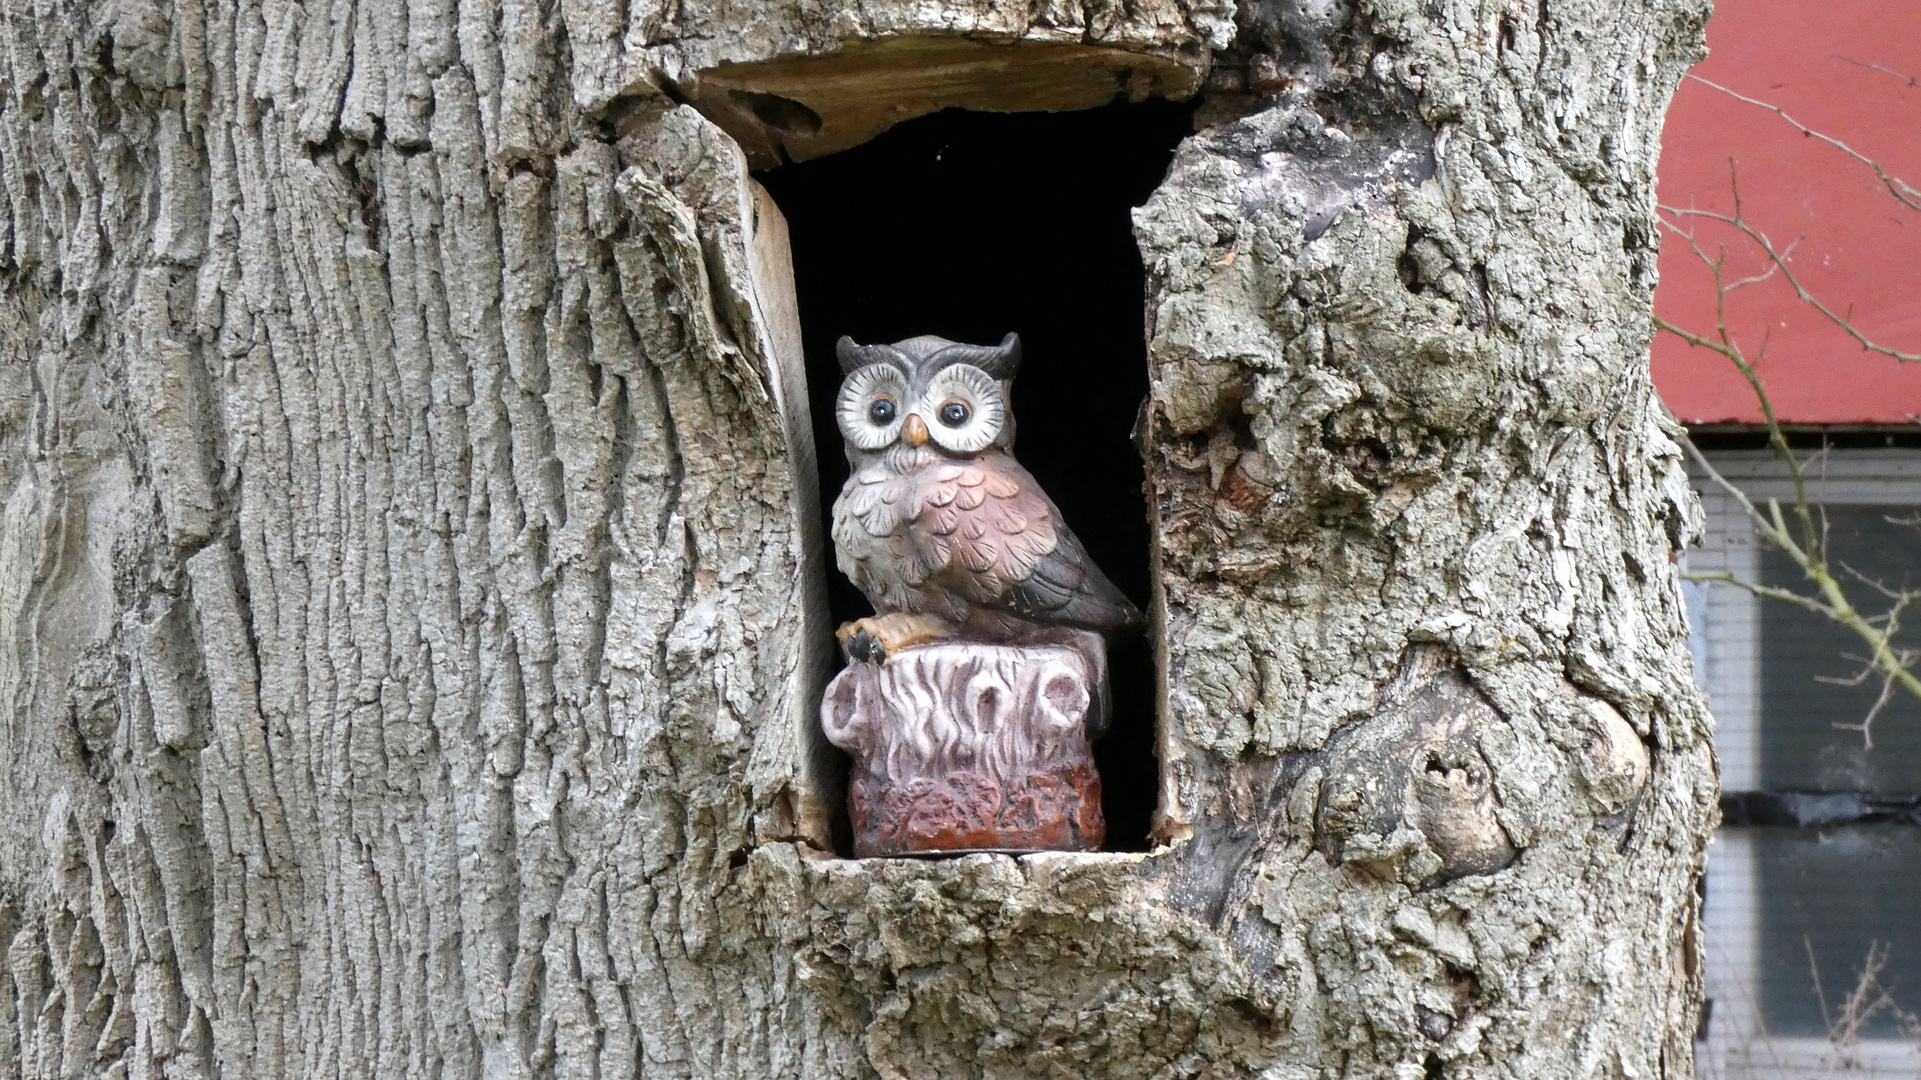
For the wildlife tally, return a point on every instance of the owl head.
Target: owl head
(927, 393)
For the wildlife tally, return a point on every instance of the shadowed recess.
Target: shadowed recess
(969, 225)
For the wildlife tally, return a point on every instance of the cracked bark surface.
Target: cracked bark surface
(410, 617)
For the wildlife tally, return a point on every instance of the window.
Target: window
(1818, 866)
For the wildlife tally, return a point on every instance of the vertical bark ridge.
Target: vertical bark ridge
(436, 466)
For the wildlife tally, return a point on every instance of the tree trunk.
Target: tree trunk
(411, 628)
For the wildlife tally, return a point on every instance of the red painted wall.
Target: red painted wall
(1856, 249)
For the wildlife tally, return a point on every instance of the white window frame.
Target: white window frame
(1726, 625)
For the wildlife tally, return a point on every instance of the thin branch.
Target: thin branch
(1863, 1003)
(1897, 187)
(1814, 971)
(1768, 592)
(1769, 527)
(1909, 79)
(1779, 258)
(1900, 597)
(1806, 542)
(1866, 726)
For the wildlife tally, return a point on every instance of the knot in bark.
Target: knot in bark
(1409, 795)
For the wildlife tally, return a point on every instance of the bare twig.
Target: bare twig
(1897, 187)
(1779, 258)
(1800, 531)
(1909, 79)
(1829, 601)
(1809, 551)
(1845, 1028)
(1814, 972)
(1866, 726)
(1867, 1000)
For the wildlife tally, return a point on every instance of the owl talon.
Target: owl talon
(862, 648)
(874, 639)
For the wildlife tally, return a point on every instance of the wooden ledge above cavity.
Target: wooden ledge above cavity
(796, 107)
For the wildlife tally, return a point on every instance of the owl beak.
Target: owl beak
(914, 430)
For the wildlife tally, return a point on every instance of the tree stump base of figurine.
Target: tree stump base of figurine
(963, 747)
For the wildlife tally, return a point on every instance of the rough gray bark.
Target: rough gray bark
(409, 589)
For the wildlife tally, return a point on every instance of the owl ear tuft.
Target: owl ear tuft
(1004, 360)
(854, 356)
(1000, 361)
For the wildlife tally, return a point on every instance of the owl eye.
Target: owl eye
(868, 410)
(966, 407)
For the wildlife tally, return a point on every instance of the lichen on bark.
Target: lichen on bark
(410, 623)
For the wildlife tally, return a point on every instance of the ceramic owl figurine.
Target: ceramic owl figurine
(938, 525)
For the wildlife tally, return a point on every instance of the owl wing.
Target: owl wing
(996, 539)
(1066, 587)
(873, 541)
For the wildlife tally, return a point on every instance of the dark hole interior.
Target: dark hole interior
(969, 225)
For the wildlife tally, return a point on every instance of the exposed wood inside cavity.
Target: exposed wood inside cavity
(792, 108)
